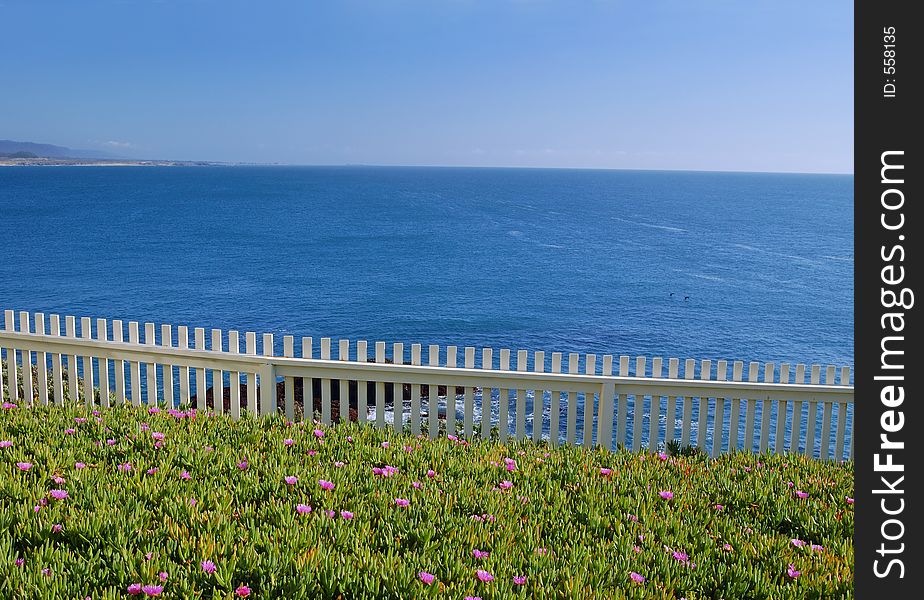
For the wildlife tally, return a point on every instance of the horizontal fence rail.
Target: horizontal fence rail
(570, 398)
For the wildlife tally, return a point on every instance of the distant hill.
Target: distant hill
(24, 149)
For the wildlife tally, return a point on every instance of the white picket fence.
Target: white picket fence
(611, 401)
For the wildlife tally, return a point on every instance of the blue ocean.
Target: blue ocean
(672, 264)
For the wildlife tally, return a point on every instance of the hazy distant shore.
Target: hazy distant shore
(99, 162)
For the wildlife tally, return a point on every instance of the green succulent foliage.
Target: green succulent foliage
(570, 529)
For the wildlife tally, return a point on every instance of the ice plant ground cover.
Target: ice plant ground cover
(139, 502)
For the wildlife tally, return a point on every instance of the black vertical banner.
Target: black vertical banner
(889, 446)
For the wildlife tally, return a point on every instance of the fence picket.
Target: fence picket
(28, 390)
(782, 410)
(555, 405)
(151, 368)
(119, 365)
(825, 434)
(638, 407)
(41, 360)
(538, 398)
(622, 408)
(250, 347)
(380, 388)
(520, 422)
(605, 406)
(503, 406)
(765, 409)
(234, 377)
(571, 398)
(749, 419)
(288, 350)
(86, 332)
(487, 362)
(362, 387)
(433, 396)
(57, 373)
(268, 379)
(841, 419)
(199, 335)
(590, 368)
(689, 367)
(702, 417)
(343, 354)
(734, 419)
(416, 350)
(812, 422)
(670, 421)
(397, 404)
(218, 376)
(182, 342)
(654, 415)
(468, 406)
(102, 334)
(718, 425)
(70, 330)
(166, 374)
(12, 380)
(325, 385)
(308, 382)
(796, 443)
(451, 362)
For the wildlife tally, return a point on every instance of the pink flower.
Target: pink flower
(134, 589)
(662, 456)
(110, 442)
(427, 578)
(318, 433)
(162, 576)
(339, 464)
(484, 576)
(158, 436)
(58, 494)
(849, 499)
(153, 410)
(639, 579)
(288, 441)
(152, 590)
(519, 579)
(542, 551)
(797, 543)
(606, 472)
(331, 513)
(480, 554)
(792, 572)
(431, 473)
(185, 475)
(46, 572)
(802, 494)
(290, 479)
(416, 485)
(208, 566)
(346, 514)
(8, 405)
(326, 485)
(719, 507)
(58, 480)
(666, 495)
(402, 502)
(5, 443)
(148, 556)
(80, 465)
(680, 556)
(506, 485)
(384, 444)
(303, 509)
(56, 528)
(817, 548)
(24, 466)
(473, 598)
(152, 471)
(727, 547)
(636, 549)
(19, 562)
(242, 465)
(312, 452)
(125, 467)
(242, 591)
(69, 431)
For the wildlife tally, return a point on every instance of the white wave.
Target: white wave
(652, 226)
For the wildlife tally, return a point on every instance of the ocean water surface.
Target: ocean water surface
(672, 264)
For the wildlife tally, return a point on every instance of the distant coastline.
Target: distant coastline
(100, 162)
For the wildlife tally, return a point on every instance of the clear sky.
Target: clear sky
(754, 85)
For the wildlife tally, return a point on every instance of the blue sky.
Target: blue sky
(663, 84)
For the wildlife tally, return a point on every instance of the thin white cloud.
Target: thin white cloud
(115, 144)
